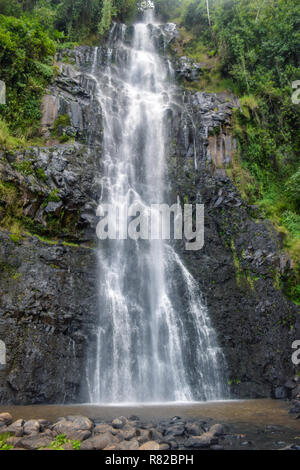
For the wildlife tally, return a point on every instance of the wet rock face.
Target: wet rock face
(164, 35)
(48, 301)
(240, 264)
(58, 191)
(72, 95)
(187, 69)
(57, 187)
(48, 306)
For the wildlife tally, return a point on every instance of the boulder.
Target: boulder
(98, 442)
(68, 446)
(79, 435)
(129, 445)
(150, 445)
(143, 435)
(6, 418)
(32, 427)
(103, 428)
(16, 428)
(155, 434)
(217, 430)
(13, 441)
(81, 422)
(72, 424)
(295, 409)
(175, 431)
(164, 446)
(35, 442)
(119, 423)
(193, 429)
(280, 393)
(201, 442)
(127, 433)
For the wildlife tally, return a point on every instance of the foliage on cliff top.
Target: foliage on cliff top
(26, 52)
(253, 44)
(30, 33)
(252, 47)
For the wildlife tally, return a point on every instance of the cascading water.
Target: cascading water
(154, 341)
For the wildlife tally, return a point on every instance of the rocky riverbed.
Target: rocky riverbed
(233, 425)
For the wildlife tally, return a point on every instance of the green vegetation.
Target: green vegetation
(244, 278)
(7, 140)
(59, 126)
(41, 174)
(62, 440)
(251, 47)
(53, 196)
(30, 33)
(24, 166)
(233, 382)
(26, 52)
(3, 439)
(13, 219)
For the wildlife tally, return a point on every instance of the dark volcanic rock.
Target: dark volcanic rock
(71, 424)
(35, 442)
(47, 311)
(240, 265)
(98, 442)
(188, 69)
(295, 409)
(59, 195)
(201, 442)
(5, 419)
(48, 302)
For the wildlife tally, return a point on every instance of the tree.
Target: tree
(108, 11)
(259, 10)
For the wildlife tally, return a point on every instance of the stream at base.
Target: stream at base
(154, 340)
(261, 423)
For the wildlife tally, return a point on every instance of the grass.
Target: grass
(3, 439)
(7, 140)
(24, 166)
(61, 440)
(243, 278)
(211, 82)
(242, 178)
(272, 204)
(249, 103)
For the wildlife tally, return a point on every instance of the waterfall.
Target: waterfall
(154, 340)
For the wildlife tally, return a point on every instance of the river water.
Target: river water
(262, 423)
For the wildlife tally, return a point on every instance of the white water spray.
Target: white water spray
(154, 341)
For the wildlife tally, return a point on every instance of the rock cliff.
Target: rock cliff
(48, 271)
